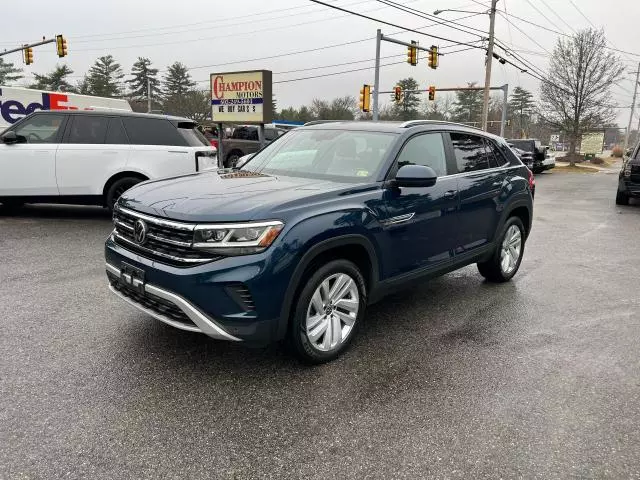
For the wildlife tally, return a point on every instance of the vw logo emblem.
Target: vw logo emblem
(140, 232)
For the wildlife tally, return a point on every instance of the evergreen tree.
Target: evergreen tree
(408, 107)
(468, 105)
(177, 80)
(56, 80)
(105, 77)
(521, 106)
(142, 74)
(9, 73)
(83, 86)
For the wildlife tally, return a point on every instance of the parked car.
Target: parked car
(629, 178)
(525, 157)
(540, 155)
(92, 157)
(244, 140)
(316, 226)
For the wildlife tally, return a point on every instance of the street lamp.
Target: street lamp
(437, 12)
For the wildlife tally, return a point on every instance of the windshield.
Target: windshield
(334, 154)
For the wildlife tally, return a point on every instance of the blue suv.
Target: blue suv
(319, 224)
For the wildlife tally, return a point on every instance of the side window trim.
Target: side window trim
(503, 161)
(393, 169)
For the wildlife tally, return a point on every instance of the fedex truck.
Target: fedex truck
(15, 103)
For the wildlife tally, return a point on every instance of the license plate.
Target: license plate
(132, 277)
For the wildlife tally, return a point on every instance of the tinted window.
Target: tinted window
(470, 152)
(115, 134)
(152, 131)
(40, 128)
(502, 152)
(88, 129)
(427, 150)
(496, 157)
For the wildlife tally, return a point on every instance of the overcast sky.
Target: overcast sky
(215, 33)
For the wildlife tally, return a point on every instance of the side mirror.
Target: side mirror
(416, 176)
(10, 137)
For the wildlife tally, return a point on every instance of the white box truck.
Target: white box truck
(15, 103)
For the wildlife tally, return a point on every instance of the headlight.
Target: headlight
(236, 239)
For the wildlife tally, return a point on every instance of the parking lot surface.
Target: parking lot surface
(457, 378)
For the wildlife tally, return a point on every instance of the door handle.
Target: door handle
(449, 194)
(496, 184)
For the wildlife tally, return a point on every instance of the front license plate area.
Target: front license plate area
(132, 277)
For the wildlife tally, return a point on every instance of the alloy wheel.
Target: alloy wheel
(332, 312)
(511, 248)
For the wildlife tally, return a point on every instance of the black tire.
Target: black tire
(622, 198)
(118, 188)
(492, 269)
(9, 205)
(298, 339)
(233, 158)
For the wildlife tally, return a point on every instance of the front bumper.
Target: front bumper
(199, 321)
(235, 298)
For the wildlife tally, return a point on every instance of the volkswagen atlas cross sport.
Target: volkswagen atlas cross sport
(316, 226)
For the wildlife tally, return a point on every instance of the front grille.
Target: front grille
(151, 302)
(166, 242)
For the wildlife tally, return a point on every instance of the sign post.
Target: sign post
(241, 98)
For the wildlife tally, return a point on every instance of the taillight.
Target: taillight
(627, 169)
(532, 180)
(214, 143)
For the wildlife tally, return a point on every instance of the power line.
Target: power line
(218, 22)
(556, 14)
(421, 14)
(583, 15)
(541, 13)
(251, 32)
(335, 73)
(373, 19)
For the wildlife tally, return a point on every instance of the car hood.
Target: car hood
(223, 197)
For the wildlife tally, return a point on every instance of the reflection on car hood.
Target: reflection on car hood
(223, 197)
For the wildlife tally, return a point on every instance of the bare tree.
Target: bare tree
(576, 96)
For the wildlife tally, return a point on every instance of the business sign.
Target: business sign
(241, 97)
(591, 143)
(555, 137)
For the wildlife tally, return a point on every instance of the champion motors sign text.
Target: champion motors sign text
(238, 97)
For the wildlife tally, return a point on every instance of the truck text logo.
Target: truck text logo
(13, 110)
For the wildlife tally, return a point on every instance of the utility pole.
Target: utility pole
(376, 81)
(505, 104)
(633, 106)
(487, 77)
(148, 95)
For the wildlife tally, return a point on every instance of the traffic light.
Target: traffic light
(28, 55)
(432, 93)
(365, 98)
(397, 93)
(433, 57)
(61, 46)
(412, 54)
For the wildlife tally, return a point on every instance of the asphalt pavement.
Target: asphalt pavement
(457, 378)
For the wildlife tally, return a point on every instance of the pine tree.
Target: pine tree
(407, 108)
(105, 77)
(521, 106)
(83, 86)
(468, 105)
(9, 73)
(142, 73)
(177, 81)
(56, 80)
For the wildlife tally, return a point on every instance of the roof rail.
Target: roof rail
(415, 123)
(318, 122)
